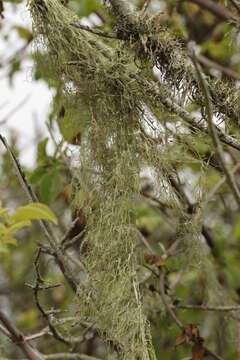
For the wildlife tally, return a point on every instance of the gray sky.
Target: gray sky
(34, 112)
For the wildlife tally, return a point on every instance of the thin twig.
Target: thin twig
(215, 8)
(214, 134)
(36, 288)
(225, 70)
(47, 230)
(213, 192)
(169, 309)
(165, 301)
(95, 31)
(207, 307)
(19, 339)
(236, 5)
(14, 110)
(174, 107)
(145, 6)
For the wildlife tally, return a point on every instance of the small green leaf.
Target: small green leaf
(17, 226)
(34, 211)
(11, 241)
(4, 212)
(50, 186)
(37, 175)
(42, 150)
(23, 33)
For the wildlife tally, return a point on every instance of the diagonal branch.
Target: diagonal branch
(47, 230)
(215, 8)
(175, 108)
(214, 135)
(19, 339)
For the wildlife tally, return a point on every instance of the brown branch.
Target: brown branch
(19, 339)
(236, 4)
(215, 8)
(225, 70)
(165, 301)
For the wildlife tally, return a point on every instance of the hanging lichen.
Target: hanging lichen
(98, 90)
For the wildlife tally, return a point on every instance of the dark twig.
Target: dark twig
(95, 31)
(225, 70)
(47, 230)
(207, 307)
(39, 286)
(213, 132)
(14, 110)
(19, 339)
(236, 5)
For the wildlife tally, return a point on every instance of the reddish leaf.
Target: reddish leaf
(181, 340)
(192, 331)
(149, 258)
(154, 259)
(197, 352)
(159, 262)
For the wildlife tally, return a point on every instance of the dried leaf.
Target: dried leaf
(154, 259)
(159, 262)
(149, 258)
(180, 340)
(198, 352)
(192, 331)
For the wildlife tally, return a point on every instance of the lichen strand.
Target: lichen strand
(95, 81)
(110, 159)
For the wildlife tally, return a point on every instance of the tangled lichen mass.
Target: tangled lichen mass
(99, 89)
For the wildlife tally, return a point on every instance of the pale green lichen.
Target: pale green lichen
(94, 81)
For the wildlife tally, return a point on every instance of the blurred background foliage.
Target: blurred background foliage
(217, 43)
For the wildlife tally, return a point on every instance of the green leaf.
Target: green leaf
(15, 67)
(24, 33)
(84, 7)
(50, 186)
(37, 175)
(4, 212)
(34, 211)
(11, 241)
(17, 226)
(42, 150)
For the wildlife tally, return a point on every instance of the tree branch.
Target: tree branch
(214, 135)
(19, 339)
(225, 70)
(47, 230)
(215, 8)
